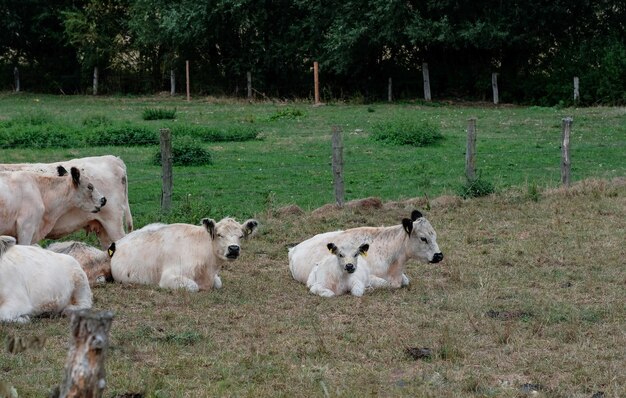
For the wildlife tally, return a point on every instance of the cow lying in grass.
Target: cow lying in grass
(340, 273)
(390, 248)
(179, 256)
(31, 203)
(95, 262)
(34, 281)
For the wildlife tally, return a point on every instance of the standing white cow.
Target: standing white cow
(390, 249)
(31, 203)
(179, 255)
(95, 262)
(108, 173)
(34, 281)
(340, 272)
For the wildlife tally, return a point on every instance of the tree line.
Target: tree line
(536, 46)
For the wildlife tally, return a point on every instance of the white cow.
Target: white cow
(390, 249)
(179, 255)
(340, 272)
(95, 262)
(31, 203)
(108, 173)
(34, 281)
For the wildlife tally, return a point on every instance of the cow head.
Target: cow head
(347, 257)
(86, 197)
(227, 235)
(422, 244)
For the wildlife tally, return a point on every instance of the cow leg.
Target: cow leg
(358, 288)
(405, 280)
(171, 280)
(377, 282)
(15, 311)
(81, 294)
(321, 290)
(111, 232)
(217, 282)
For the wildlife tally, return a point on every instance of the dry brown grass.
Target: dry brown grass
(531, 296)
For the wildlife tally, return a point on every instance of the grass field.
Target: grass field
(531, 295)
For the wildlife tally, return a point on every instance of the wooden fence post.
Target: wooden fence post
(84, 367)
(172, 82)
(187, 76)
(470, 152)
(494, 86)
(565, 159)
(95, 80)
(249, 77)
(576, 89)
(166, 164)
(316, 81)
(16, 77)
(338, 165)
(426, 81)
(389, 91)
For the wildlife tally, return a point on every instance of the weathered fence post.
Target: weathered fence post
(576, 89)
(494, 86)
(84, 367)
(565, 159)
(316, 81)
(249, 76)
(95, 80)
(16, 77)
(389, 91)
(172, 82)
(338, 165)
(187, 77)
(470, 152)
(166, 164)
(426, 81)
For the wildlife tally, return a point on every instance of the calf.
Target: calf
(391, 248)
(35, 281)
(95, 262)
(340, 273)
(179, 255)
(31, 203)
(108, 173)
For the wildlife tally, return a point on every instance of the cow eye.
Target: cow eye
(424, 240)
(90, 187)
(340, 255)
(220, 235)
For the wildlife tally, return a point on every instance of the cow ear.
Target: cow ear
(111, 250)
(75, 175)
(61, 171)
(209, 224)
(408, 225)
(332, 248)
(250, 226)
(415, 214)
(363, 249)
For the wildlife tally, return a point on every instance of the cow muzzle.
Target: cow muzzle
(437, 257)
(233, 252)
(350, 268)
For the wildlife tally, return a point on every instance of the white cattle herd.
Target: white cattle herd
(45, 200)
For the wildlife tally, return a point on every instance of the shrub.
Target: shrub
(406, 132)
(286, 113)
(48, 136)
(186, 152)
(158, 114)
(476, 188)
(96, 121)
(123, 135)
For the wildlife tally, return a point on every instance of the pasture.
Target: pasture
(531, 295)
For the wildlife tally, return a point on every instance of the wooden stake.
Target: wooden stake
(16, 77)
(338, 166)
(316, 81)
(249, 76)
(426, 81)
(95, 80)
(494, 86)
(576, 89)
(389, 91)
(166, 164)
(565, 159)
(187, 76)
(172, 82)
(470, 152)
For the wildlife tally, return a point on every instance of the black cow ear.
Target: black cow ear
(61, 171)
(75, 175)
(111, 250)
(415, 214)
(209, 224)
(250, 226)
(332, 248)
(408, 225)
(364, 248)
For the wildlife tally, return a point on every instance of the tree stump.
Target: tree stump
(84, 367)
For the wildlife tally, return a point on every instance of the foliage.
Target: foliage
(406, 132)
(158, 114)
(123, 135)
(236, 133)
(286, 113)
(186, 152)
(476, 188)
